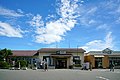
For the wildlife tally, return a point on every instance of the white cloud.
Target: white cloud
(118, 10)
(92, 10)
(91, 22)
(86, 18)
(8, 12)
(109, 4)
(82, 1)
(109, 40)
(7, 30)
(47, 38)
(118, 21)
(50, 17)
(54, 30)
(36, 21)
(100, 44)
(87, 21)
(20, 11)
(104, 27)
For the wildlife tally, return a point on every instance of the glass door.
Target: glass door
(61, 63)
(98, 62)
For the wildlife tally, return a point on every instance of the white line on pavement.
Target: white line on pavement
(103, 78)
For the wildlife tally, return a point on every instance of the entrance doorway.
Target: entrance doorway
(98, 62)
(61, 63)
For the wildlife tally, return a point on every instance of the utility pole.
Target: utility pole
(69, 44)
(56, 45)
(77, 50)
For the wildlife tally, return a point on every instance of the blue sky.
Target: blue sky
(35, 24)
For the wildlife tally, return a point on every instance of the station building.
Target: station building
(62, 57)
(57, 58)
(31, 56)
(102, 59)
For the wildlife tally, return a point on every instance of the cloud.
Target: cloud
(7, 30)
(10, 13)
(92, 10)
(118, 20)
(100, 44)
(109, 40)
(104, 27)
(47, 38)
(87, 14)
(20, 11)
(53, 31)
(36, 21)
(118, 9)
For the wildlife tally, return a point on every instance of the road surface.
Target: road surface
(59, 74)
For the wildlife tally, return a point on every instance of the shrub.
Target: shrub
(77, 65)
(4, 65)
(23, 63)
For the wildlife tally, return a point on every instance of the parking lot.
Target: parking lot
(59, 74)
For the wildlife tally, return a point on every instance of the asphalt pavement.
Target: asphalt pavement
(60, 74)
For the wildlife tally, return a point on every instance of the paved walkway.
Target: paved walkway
(59, 74)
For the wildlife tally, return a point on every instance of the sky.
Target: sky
(34, 24)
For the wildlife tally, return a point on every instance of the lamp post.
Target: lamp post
(19, 65)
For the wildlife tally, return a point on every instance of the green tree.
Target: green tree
(4, 53)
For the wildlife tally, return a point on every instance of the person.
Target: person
(45, 66)
(41, 65)
(90, 66)
(85, 66)
(112, 67)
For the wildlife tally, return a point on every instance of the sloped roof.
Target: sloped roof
(24, 52)
(61, 49)
(101, 53)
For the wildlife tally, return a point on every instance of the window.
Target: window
(76, 59)
(114, 60)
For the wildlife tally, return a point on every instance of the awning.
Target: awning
(98, 55)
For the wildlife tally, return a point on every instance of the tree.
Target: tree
(4, 53)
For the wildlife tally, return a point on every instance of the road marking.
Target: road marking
(103, 78)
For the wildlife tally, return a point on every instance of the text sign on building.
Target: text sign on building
(60, 52)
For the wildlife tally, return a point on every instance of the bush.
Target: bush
(4, 65)
(77, 65)
(23, 63)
